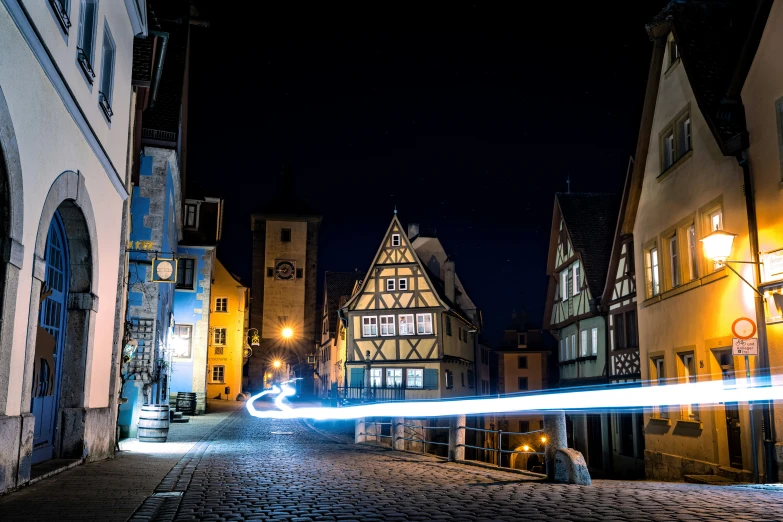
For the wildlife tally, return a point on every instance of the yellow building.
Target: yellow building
(687, 183)
(227, 318)
(403, 323)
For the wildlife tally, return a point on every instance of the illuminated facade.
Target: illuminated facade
(404, 323)
(338, 288)
(687, 183)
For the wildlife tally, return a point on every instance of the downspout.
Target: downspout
(768, 422)
(345, 362)
(159, 66)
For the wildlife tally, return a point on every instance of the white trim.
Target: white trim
(425, 323)
(22, 21)
(225, 336)
(390, 284)
(391, 324)
(412, 322)
(137, 13)
(367, 323)
(395, 240)
(402, 284)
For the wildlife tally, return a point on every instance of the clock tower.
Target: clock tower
(284, 284)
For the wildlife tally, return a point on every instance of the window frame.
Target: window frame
(575, 287)
(395, 370)
(216, 340)
(672, 135)
(409, 320)
(218, 307)
(186, 221)
(425, 323)
(574, 346)
(408, 378)
(390, 285)
(285, 233)
(381, 325)
(564, 284)
(396, 240)
(708, 212)
(367, 321)
(658, 363)
(594, 341)
(176, 334)
(61, 10)
(688, 412)
(402, 284)
(652, 274)
(182, 266)
(380, 374)
(86, 57)
(222, 369)
(583, 343)
(105, 99)
(520, 380)
(693, 252)
(522, 362)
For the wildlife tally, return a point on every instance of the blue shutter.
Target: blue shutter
(431, 379)
(357, 378)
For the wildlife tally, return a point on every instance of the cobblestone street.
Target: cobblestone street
(255, 469)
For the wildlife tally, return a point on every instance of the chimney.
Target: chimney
(413, 230)
(449, 280)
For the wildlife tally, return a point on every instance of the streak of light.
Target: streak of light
(703, 393)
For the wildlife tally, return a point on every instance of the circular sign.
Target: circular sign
(743, 328)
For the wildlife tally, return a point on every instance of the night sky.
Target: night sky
(468, 118)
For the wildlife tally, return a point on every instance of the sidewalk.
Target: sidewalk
(112, 489)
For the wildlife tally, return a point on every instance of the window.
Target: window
(62, 8)
(387, 325)
(594, 345)
(668, 150)
(674, 264)
(693, 271)
(691, 411)
(522, 383)
(402, 284)
(221, 304)
(185, 273)
(676, 140)
(715, 222)
(449, 379)
(393, 377)
(191, 215)
(573, 345)
(219, 350)
(285, 235)
(448, 325)
(522, 362)
(86, 48)
(674, 52)
(484, 356)
(390, 285)
(630, 320)
(576, 278)
(660, 377)
(521, 339)
(524, 426)
(653, 277)
(369, 326)
(415, 378)
(218, 373)
(219, 337)
(299, 273)
(376, 376)
(270, 272)
(583, 351)
(563, 355)
(564, 284)
(684, 135)
(406, 325)
(567, 354)
(423, 324)
(462, 374)
(182, 337)
(471, 378)
(395, 240)
(619, 332)
(107, 73)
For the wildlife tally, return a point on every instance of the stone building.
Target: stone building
(66, 106)
(284, 285)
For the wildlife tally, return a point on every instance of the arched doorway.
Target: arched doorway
(50, 341)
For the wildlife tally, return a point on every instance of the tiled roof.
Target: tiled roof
(590, 219)
(711, 37)
(339, 286)
(440, 288)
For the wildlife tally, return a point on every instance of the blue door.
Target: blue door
(51, 342)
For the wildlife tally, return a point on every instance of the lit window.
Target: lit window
(576, 279)
(594, 346)
(387, 325)
(221, 304)
(689, 374)
(653, 278)
(584, 343)
(219, 337)
(674, 264)
(86, 48)
(403, 284)
(415, 378)
(218, 373)
(423, 324)
(564, 284)
(191, 215)
(182, 337)
(390, 285)
(369, 326)
(393, 377)
(716, 220)
(660, 377)
(692, 264)
(105, 95)
(376, 376)
(395, 240)
(406, 325)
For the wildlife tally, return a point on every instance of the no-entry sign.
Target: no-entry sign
(745, 346)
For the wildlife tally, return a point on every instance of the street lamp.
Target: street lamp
(287, 332)
(717, 245)
(276, 363)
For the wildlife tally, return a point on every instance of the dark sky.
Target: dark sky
(467, 117)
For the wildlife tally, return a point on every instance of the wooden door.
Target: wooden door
(733, 430)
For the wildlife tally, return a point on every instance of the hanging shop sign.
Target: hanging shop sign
(772, 263)
(164, 270)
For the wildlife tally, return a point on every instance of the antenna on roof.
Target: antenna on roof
(395, 210)
(568, 183)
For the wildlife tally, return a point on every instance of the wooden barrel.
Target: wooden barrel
(154, 423)
(186, 403)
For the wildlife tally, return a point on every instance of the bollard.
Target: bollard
(555, 433)
(456, 438)
(359, 432)
(398, 432)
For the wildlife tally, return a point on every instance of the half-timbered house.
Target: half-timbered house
(579, 250)
(404, 326)
(338, 287)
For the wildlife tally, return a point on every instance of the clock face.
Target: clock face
(284, 270)
(164, 269)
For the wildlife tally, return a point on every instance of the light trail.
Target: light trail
(704, 393)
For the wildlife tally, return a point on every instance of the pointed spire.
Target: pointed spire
(395, 210)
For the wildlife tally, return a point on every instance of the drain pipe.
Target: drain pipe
(768, 422)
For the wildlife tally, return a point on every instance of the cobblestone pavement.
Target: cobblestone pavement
(111, 489)
(261, 469)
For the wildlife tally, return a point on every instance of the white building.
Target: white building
(65, 111)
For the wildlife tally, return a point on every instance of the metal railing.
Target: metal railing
(499, 450)
(377, 433)
(372, 394)
(422, 440)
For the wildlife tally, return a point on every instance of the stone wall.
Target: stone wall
(672, 468)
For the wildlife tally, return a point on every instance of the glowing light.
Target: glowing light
(525, 448)
(276, 363)
(543, 439)
(717, 245)
(705, 393)
(287, 333)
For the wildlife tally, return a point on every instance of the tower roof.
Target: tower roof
(286, 202)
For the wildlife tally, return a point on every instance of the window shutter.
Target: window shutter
(357, 377)
(431, 379)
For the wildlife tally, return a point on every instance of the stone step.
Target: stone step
(712, 480)
(180, 420)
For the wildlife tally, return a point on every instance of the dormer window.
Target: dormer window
(191, 215)
(674, 52)
(395, 240)
(403, 284)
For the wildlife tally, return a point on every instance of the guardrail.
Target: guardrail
(372, 394)
(499, 450)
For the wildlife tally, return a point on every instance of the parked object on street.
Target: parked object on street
(571, 468)
(154, 423)
(186, 403)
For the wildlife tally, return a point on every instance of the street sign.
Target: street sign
(745, 346)
(772, 262)
(743, 328)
